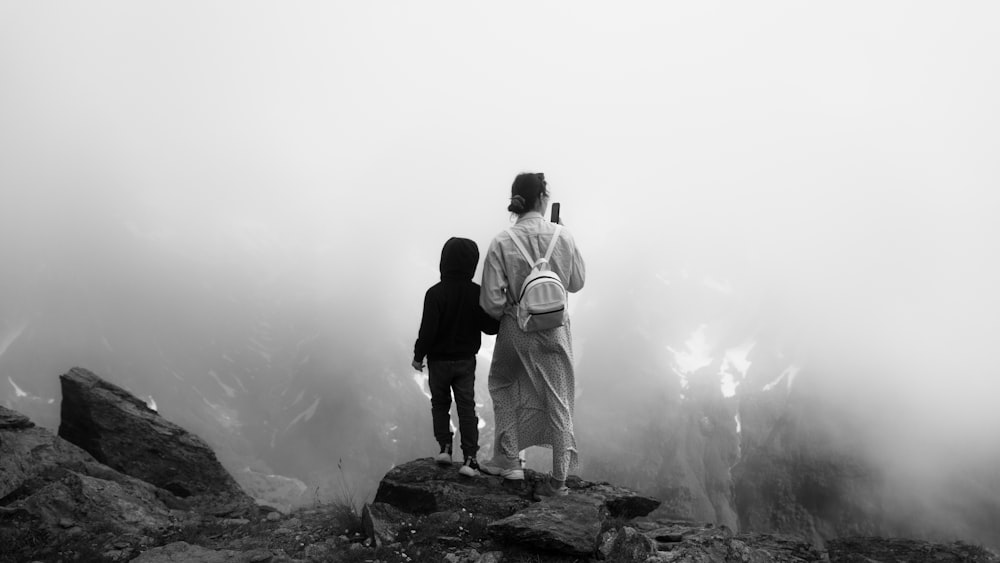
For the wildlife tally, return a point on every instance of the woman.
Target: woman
(531, 380)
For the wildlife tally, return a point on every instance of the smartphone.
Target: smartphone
(555, 212)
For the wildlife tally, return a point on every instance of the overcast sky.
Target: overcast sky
(840, 156)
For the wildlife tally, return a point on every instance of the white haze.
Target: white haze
(828, 167)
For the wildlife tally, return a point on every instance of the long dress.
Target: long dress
(532, 381)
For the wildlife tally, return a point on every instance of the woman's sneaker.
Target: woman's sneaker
(504, 467)
(470, 468)
(444, 458)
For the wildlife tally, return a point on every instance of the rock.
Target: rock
(99, 503)
(382, 522)
(13, 420)
(321, 552)
(275, 491)
(619, 501)
(567, 524)
(422, 487)
(630, 546)
(864, 549)
(183, 552)
(31, 457)
(120, 431)
(491, 557)
(59, 486)
(688, 541)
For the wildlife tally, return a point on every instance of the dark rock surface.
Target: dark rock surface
(899, 550)
(50, 488)
(121, 432)
(13, 420)
(568, 525)
(651, 541)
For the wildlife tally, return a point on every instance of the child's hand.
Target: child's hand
(419, 366)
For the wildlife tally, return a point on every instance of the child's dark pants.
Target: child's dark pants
(459, 376)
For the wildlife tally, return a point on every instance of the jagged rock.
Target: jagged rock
(628, 546)
(865, 549)
(120, 431)
(34, 461)
(27, 453)
(99, 504)
(382, 522)
(13, 420)
(619, 501)
(183, 552)
(567, 524)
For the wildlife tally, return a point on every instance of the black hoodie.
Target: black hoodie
(453, 320)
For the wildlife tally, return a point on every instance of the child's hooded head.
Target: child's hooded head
(459, 258)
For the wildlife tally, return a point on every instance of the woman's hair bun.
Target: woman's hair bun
(517, 205)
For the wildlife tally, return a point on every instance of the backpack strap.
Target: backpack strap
(520, 246)
(552, 243)
(527, 255)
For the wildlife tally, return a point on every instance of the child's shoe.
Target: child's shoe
(550, 488)
(470, 468)
(504, 467)
(444, 458)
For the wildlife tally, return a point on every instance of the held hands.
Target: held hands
(419, 366)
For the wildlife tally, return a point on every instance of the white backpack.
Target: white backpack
(542, 301)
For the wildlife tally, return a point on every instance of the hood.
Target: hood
(459, 258)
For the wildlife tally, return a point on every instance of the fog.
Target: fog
(826, 173)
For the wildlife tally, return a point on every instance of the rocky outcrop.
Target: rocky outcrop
(51, 486)
(596, 520)
(120, 431)
(570, 524)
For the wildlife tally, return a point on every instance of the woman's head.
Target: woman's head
(528, 193)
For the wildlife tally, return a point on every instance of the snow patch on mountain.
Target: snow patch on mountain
(230, 392)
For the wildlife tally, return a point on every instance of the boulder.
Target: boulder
(97, 504)
(422, 487)
(569, 525)
(120, 431)
(52, 487)
(31, 457)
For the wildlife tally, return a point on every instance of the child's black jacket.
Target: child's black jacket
(453, 321)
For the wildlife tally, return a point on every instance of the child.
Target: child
(450, 338)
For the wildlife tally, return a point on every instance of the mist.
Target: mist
(818, 181)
